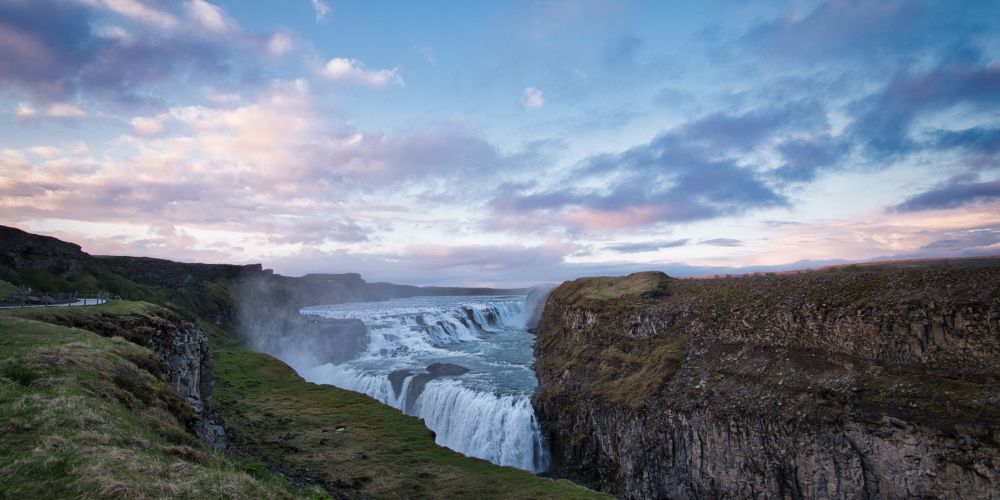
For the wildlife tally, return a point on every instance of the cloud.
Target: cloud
(804, 158)
(532, 98)
(885, 119)
(980, 139)
(276, 170)
(209, 16)
(886, 34)
(649, 246)
(747, 130)
(117, 33)
(138, 11)
(695, 171)
(322, 10)
(149, 125)
(722, 242)
(26, 111)
(65, 110)
(953, 193)
(352, 71)
(881, 234)
(109, 50)
(52, 53)
(279, 44)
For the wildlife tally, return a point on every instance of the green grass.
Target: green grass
(82, 418)
(633, 377)
(636, 285)
(380, 452)
(7, 289)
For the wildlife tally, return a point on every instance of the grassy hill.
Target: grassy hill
(88, 416)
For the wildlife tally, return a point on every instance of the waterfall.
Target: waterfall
(462, 364)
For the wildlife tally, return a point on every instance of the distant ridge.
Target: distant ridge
(876, 264)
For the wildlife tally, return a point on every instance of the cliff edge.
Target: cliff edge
(856, 383)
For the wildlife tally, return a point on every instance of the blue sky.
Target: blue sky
(503, 143)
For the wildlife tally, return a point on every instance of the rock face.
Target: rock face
(181, 345)
(420, 380)
(185, 349)
(880, 383)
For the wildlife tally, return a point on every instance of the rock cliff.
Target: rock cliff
(182, 346)
(874, 383)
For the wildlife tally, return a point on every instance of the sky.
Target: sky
(503, 143)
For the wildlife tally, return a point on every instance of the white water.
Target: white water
(485, 412)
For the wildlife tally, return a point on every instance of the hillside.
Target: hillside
(859, 383)
(87, 415)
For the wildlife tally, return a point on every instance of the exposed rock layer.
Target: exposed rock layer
(879, 383)
(183, 348)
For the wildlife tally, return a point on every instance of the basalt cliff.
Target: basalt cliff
(848, 383)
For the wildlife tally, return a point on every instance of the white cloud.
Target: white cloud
(150, 125)
(322, 10)
(46, 152)
(65, 110)
(532, 98)
(115, 33)
(278, 44)
(223, 98)
(352, 71)
(209, 16)
(25, 111)
(139, 11)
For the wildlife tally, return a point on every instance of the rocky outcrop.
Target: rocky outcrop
(420, 380)
(303, 341)
(183, 348)
(21, 251)
(879, 383)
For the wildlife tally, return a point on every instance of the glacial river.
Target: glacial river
(462, 364)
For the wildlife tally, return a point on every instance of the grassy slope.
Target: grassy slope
(7, 289)
(380, 452)
(625, 369)
(83, 416)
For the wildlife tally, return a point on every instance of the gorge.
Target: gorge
(874, 381)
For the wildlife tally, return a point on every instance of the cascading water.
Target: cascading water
(462, 364)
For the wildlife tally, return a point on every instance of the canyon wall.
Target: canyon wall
(873, 383)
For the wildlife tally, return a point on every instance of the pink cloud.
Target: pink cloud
(886, 233)
(587, 218)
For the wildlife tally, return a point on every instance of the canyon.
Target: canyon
(875, 381)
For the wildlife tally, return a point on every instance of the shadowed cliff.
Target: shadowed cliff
(863, 383)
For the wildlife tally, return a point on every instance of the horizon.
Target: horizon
(504, 144)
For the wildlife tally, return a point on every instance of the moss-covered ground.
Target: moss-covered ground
(7, 289)
(84, 417)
